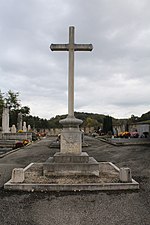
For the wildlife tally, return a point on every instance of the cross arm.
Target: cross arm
(59, 47)
(83, 47)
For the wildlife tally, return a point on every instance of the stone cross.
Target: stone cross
(71, 47)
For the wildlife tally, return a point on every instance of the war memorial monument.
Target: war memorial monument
(71, 169)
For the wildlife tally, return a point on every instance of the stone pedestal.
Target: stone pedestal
(71, 141)
(71, 160)
(51, 168)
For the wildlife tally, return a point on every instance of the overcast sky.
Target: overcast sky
(113, 79)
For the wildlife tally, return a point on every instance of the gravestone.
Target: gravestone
(13, 129)
(5, 120)
(29, 127)
(24, 127)
(19, 121)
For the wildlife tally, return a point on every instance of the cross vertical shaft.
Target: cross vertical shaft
(71, 74)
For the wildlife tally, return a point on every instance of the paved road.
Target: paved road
(78, 208)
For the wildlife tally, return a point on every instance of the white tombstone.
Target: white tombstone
(29, 127)
(13, 129)
(24, 127)
(5, 120)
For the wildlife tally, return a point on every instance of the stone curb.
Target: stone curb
(10, 152)
(122, 143)
(14, 150)
(72, 187)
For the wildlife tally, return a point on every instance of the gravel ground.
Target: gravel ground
(78, 208)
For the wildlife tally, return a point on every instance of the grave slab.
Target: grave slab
(108, 180)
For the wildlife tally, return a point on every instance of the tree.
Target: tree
(145, 116)
(107, 124)
(25, 110)
(12, 100)
(90, 122)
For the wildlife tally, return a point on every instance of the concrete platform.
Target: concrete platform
(88, 168)
(34, 180)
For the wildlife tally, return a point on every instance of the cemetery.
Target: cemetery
(82, 173)
(74, 112)
(14, 137)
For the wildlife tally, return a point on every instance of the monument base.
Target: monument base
(35, 180)
(71, 168)
(70, 158)
(71, 141)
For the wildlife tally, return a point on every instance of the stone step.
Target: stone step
(89, 168)
(70, 158)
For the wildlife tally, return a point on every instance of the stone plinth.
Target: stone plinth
(71, 141)
(62, 164)
(70, 158)
(69, 169)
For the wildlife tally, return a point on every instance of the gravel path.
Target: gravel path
(78, 208)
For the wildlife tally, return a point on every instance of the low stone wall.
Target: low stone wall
(17, 136)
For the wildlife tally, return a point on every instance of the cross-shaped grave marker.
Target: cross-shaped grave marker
(71, 47)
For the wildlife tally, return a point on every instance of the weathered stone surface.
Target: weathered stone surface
(71, 47)
(33, 170)
(17, 175)
(5, 120)
(125, 175)
(67, 169)
(70, 158)
(108, 180)
(71, 141)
